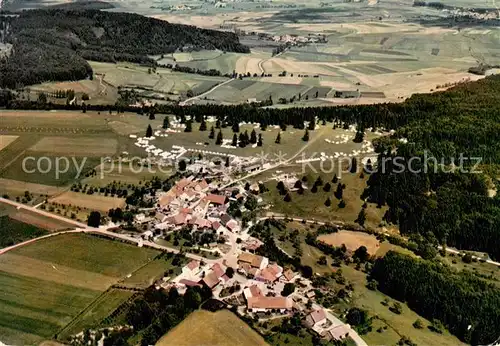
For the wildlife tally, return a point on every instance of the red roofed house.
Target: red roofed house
(216, 275)
(270, 273)
(179, 219)
(255, 261)
(216, 199)
(192, 268)
(262, 304)
(252, 291)
(339, 332)
(315, 318)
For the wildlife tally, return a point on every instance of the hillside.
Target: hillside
(54, 44)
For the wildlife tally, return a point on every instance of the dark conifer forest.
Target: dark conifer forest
(54, 44)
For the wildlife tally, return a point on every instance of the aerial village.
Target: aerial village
(227, 261)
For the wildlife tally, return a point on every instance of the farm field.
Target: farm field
(98, 310)
(152, 271)
(13, 231)
(352, 240)
(79, 139)
(93, 202)
(43, 290)
(165, 82)
(221, 328)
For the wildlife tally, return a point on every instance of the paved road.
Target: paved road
(44, 213)
(83, 228)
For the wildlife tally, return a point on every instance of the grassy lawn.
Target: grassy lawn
(95, 312)
(44, 285)
(311, 205)
(221, 328)
(13, 231)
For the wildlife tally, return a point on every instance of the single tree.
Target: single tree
(305, 138)
(203, 125)
(236, 127)
(418, 324)
(361, 217)
(94, 219)
(259, 141)
(253, 137)
(234, 143)
(149, 131)
(339, 192)
(218, 141)
(227, 161)
(335, 179)
(342, 204)
(327, 187)
(288, 289)
(328, 202)
(278, 138)
(354, 165)
(211, 135)
(182, 165)
(287, 198)
(314, 189)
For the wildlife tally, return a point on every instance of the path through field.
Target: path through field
(183, 103)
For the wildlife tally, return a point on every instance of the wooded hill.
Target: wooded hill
(54, 44)
(469, 307)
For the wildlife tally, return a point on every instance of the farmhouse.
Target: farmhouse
(216, 275)
(338, 333)
(253, 261)
(315, 318)
(262, 304)
(216, 199)
(289, 275)
(269, 274)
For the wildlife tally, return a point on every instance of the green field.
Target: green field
(164, 83)
(44, 136)
(238, 91)
(13, 231)
(94, 313)
(152, 271)
(45, 285)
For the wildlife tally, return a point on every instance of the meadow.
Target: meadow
(43, 290)
(221, 328)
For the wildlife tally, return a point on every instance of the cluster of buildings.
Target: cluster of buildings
(190, 202)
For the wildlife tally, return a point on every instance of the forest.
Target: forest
(434, 199)
(54, 44)
(467, 306)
